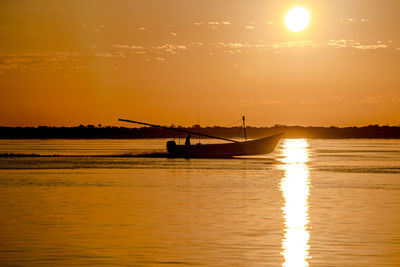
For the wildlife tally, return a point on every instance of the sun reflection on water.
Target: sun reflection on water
(295, 187)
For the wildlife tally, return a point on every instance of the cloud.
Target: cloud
(353, 20)
(52, 60)
(378, 99)
(214, 25)
(5, 67)
(134, 47)
(110, 55)
(371, 45)
(272, 102)
(169, 48)
(249, 27)
(339, 43)
(255, 102)
(122, 46)
(73, 60)
(244, 47)
(26, 62)
(237, 47)
(92, 26)
(296, 44)
(292, 44)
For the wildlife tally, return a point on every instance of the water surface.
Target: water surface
(310, 203)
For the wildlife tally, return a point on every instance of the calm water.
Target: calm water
(310, 203)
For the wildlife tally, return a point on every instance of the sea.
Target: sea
(95, 203)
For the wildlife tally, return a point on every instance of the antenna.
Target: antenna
(198, 116)
(244, 127)
(198, 120)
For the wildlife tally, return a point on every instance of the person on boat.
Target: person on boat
(187, 142)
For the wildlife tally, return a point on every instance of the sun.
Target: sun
(297, 19)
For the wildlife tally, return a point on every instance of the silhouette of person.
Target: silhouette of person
(187, 142)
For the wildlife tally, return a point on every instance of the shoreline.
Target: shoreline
(96, 133)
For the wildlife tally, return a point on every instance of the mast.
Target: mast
(179, 130)
(244, 128)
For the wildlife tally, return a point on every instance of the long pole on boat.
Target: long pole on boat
(178, 130)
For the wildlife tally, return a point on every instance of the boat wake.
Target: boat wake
(125, 155)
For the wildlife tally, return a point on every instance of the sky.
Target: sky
(72, 62)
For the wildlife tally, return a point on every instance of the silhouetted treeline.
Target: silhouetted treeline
(111, 132)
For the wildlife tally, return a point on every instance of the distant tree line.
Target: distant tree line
(112, 132)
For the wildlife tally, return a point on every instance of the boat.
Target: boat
(260, 146)
(235, 148)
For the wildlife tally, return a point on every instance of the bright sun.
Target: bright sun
(297, 19)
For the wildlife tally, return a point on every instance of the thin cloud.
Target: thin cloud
(110, 55)
(353, 20)
(134, 47)
(213, 25)
(248, 47)
(372, 45)
(296, 44)
(378, 99)
(26, 62)
(86, 26)
(169, 48)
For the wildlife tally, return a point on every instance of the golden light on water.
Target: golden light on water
(295, 189)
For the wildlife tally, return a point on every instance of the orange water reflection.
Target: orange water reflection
(295, 187)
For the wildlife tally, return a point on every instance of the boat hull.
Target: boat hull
(260, 146)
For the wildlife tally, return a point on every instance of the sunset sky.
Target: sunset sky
(71, 62)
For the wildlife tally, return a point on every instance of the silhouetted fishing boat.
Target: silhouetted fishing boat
(260, 146)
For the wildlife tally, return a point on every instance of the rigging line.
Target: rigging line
(236, 122)
(240, 130)
(178, 130)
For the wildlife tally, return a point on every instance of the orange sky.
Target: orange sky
(74, 62)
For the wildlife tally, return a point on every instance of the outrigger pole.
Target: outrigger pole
(179, 130)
